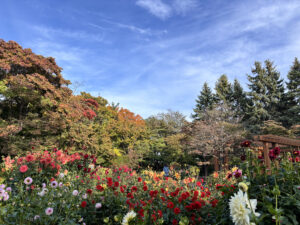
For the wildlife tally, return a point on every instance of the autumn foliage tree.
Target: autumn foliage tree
(32, 97)
(37, 110)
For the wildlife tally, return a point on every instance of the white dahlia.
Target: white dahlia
(128, 217)
(238, 209)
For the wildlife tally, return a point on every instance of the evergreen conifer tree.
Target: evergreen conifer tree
(266, 93)
(290, 106)
(257, 109)
(204, 102)
(239, 99)
(223, 90)
(275, 90)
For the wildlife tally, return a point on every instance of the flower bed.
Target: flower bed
(59, 188)
(54, 187)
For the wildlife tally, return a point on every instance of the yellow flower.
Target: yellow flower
(234, 169)
(243, 186)
(116, 218)
(106, 220)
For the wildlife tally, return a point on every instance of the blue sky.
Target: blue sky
(154, 55)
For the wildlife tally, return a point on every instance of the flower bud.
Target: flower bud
(243, 186)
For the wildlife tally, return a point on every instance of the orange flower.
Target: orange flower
(216, 175)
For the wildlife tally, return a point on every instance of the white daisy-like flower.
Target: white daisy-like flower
(36, 217)
(41, 193)
(98, 205)
(54, 184)
(49, 211)
(28, 180)
(75, 193)
(128, 217)
(61, 175)
(84, 196)
(238, 209)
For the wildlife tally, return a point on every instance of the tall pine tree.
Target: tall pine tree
(275, 90)
(223, 90)
(291, 104)
(239, 99)
(256, 110)
(266, 92)
(204, 102)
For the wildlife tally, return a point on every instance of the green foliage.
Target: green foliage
(205, 101)
(290, 106)
(223, 90)
(165, 135)
(266, 92)
(273, 127)
(239, 100)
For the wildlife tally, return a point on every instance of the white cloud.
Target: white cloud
(163, 10)
(276, 15)
(179, 65)
(50, 32)
(156, 7)
(183, 6)
(128, 26)
(59, 51)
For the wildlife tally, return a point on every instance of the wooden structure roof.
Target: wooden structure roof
(278, 139)
(274, 140)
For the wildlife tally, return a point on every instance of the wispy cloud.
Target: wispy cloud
(183, 6)
(83, 35)
(156, 7)
(129, 27)
(228, 45)
(60, 51)
(163, 10)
